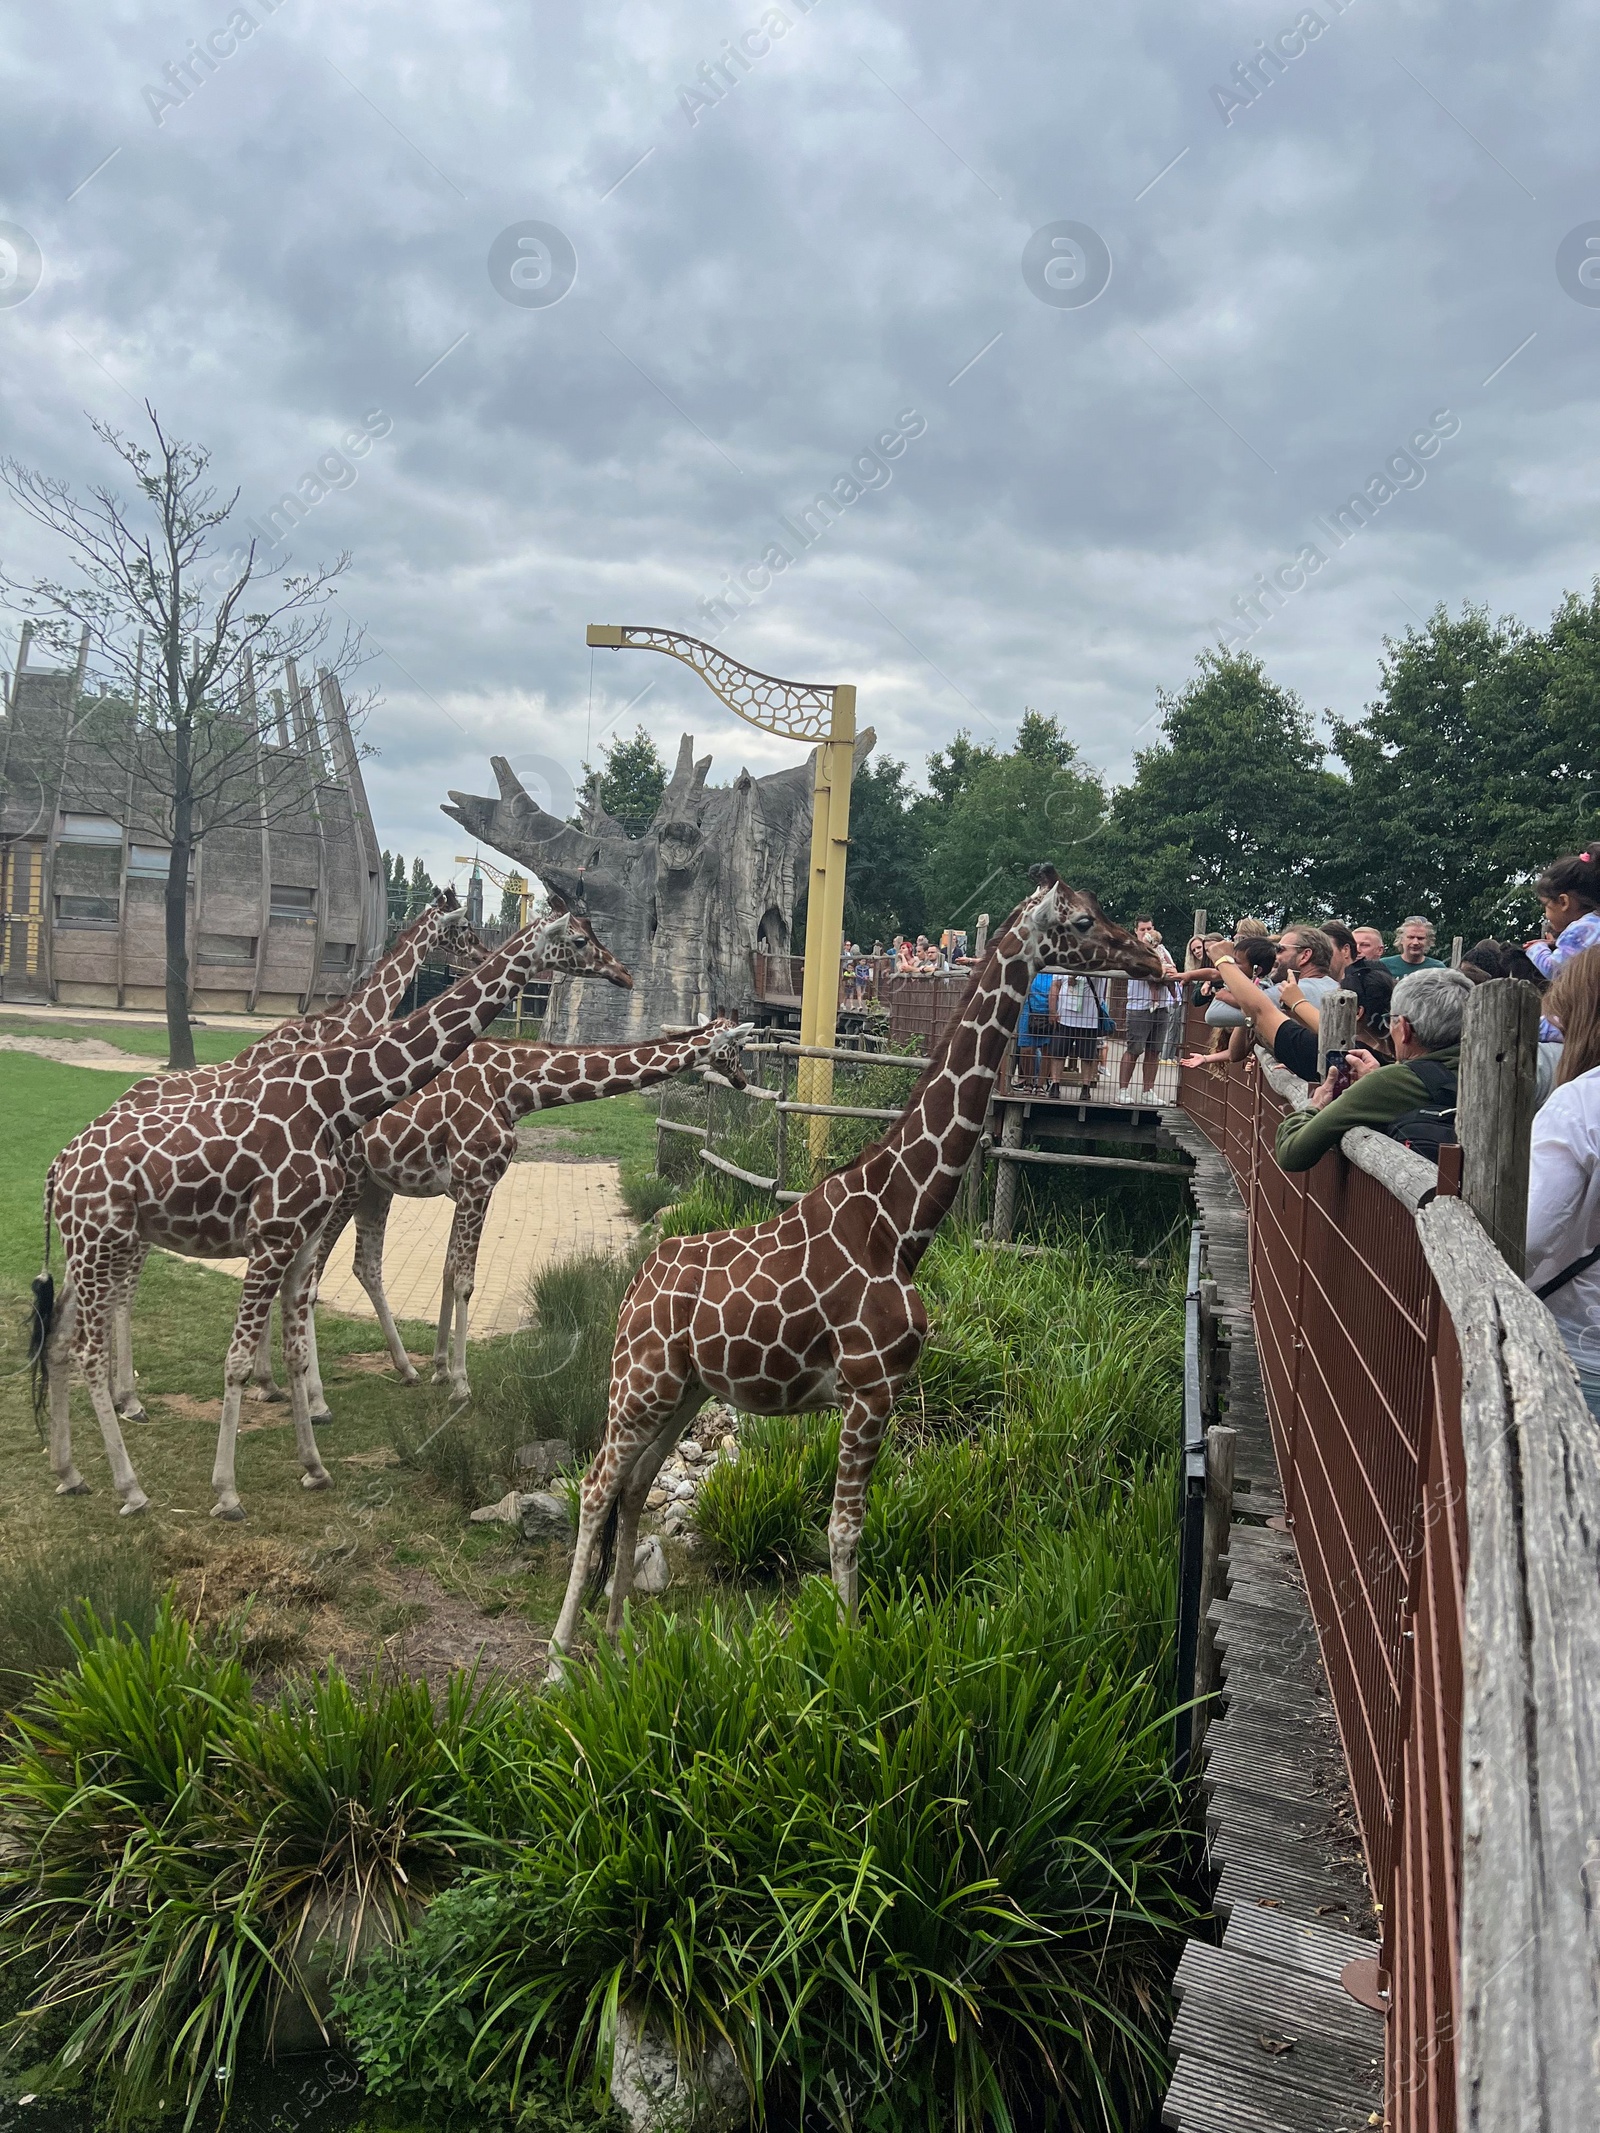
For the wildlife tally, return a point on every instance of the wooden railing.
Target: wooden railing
(1442, 1474)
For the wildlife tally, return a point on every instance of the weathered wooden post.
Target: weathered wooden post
(1221, 1450)
(1336, 1028)
(1494, 1110)
(1005, 1177)
(1455, 952)
(980, 939)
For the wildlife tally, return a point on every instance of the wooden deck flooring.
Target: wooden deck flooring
(1267, 2040)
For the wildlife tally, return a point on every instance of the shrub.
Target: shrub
(918, 1872)
(644, 1194)
(177, 1854)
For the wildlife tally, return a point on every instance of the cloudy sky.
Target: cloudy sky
(1297, 247)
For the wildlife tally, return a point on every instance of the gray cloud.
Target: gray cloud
(306, 235)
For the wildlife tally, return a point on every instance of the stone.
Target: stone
(655, 1499)
(656, 2094)
(545, 1458)
(684, 1490)
(675, 1520)
(507, 1512)
(690, 1451)
(729, 1447)
(544, 1516)
(651, 1571)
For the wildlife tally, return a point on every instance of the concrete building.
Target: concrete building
(286, 906)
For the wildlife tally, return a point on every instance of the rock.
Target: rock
(675, 1520)
(507, 1512)
(655, 2094)
(690, 1451)
(544, 1516)
(651, 1572)
(683, 1491)
(655, 1499)
(729, 1447)
(544, 1459)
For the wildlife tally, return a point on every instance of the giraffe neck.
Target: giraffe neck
(537, 1076)
(915, 1169)
(386, 987)
(381, 1071)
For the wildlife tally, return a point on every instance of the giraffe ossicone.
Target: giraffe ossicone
(817, 1306)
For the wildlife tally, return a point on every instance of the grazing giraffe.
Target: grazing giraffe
(457, 1138)
(254, 1170)
(576, 952)
(817, 1307)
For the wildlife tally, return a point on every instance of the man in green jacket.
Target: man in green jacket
(1424, 1023)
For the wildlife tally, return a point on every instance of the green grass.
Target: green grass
(620, 1129)
(211, 1046)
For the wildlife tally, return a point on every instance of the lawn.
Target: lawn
(144, 1040)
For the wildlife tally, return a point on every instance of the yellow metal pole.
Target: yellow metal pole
(830, 828)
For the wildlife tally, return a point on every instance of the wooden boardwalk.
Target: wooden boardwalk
(1267, 2040)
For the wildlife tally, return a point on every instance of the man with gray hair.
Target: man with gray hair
(1413, 948)
(1425, 1028)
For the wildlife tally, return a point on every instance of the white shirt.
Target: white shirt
(1146, 993)
(1077, 1004)
(1564, 1212)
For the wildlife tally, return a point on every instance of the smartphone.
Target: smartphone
(1338, 1064)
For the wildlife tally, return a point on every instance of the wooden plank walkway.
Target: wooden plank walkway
(1267, 2040)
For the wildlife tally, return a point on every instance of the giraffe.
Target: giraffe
(251, 1169)
(457, 1138)
(817, 1307)
(578, 951)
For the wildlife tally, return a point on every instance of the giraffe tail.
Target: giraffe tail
(42, 1316)
(602, 1559)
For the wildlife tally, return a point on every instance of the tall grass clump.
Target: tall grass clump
(185, 1871)
(554, 1379)
(43, 1589)
(919, 1872)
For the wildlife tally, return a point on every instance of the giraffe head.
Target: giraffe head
(1065, 929)
(722, 1060)
(574, 950)
(461, 947)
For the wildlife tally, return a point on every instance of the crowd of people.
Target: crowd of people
(1400, 1074)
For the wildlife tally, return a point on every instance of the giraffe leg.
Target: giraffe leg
(636, 1487)
(461, 1266)
(269, 1264)
(263, 1385)
(124, 1384)
(866, 1416)
(372, 1221)
(447, 1307)
(92, 1345)
(58, 1378)
(332, 1230)
(299, 1298)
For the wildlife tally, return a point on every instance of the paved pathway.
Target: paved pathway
(540, 1211)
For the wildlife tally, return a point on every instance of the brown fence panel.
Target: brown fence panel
(1363, 1385)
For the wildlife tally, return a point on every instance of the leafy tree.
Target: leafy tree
(176, 629)
(421, 892)
(883, 885)
(1231, 808)
(991, 817)
(632, 782)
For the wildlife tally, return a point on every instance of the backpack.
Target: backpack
(1431, 1126)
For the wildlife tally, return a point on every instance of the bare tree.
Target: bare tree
(178, 626)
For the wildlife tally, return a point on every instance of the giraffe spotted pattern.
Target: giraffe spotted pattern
(817, 1307)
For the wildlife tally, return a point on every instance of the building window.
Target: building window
(86, 910)
(90, 829)
(291, 902)
(227, 947)
(149, 862)
(338, 955)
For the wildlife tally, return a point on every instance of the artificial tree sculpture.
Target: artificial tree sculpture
(715, 877)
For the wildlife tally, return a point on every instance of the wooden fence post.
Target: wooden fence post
(1199, 930)
(1494, 1110)
(980, 939)
(1455, 952)
(1336, 1028)
(1221, 1449)
(1005, 1177)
